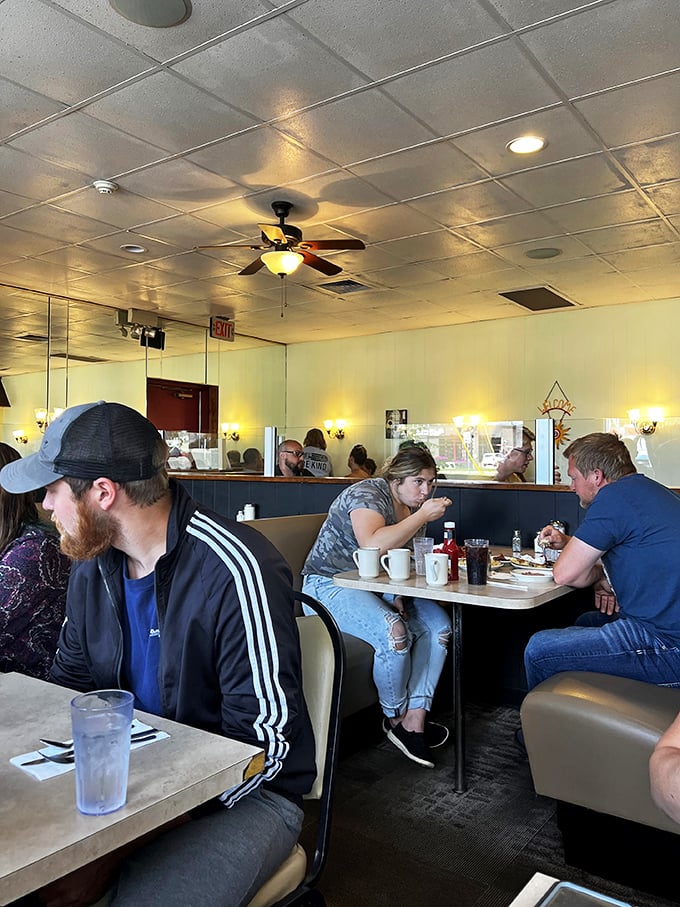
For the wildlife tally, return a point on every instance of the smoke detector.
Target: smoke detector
(105, 187)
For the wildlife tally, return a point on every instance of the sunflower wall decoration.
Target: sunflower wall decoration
(558, 405)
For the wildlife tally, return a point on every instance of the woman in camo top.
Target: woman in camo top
(410, 635)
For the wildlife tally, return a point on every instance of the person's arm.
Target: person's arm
(664, 772)
(370, 530)
(70, 668)
(578, 565)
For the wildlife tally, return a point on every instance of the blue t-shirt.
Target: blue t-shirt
(141, 642)
(636, 522)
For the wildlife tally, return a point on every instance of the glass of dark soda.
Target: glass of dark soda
(477, 561)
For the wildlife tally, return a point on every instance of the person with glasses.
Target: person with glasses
(515, 464)
(291, 460)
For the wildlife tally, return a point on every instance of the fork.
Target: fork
(68, 744)
(68, 757)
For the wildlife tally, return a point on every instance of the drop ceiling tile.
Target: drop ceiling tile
(180, 184)
(16, 244)
(506, 230)
(652, 162)
(88, 146)
(666, 198)
(344, 131)
(88, 60)
(30, 177)
(427, 247)
(186, 231)
(470, 264)
(568, 181)
(80, 258)
(277, 54)
(385, 223)
(112, 242)
(635, 113)
(469, 204)
(417, 171)
(619, 208)
(564, 132)
(642, 39)
(473, 90)
(380, 41)
(121, 209)
(208, 19)
(20, 107)
(56, 224)
(262, 157)
(404, 276)
(663, 280)
(521, 13)
(169, 113)
(323, 198)
(633, 260)
(11, 203)
(614, 239)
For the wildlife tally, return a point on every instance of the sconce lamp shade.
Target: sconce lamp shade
(282, 263)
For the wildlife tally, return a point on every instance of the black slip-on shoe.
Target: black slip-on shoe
(435, 734)
(412, 745)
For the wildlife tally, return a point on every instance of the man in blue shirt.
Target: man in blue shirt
(626, 548)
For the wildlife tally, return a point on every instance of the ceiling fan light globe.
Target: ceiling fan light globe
(282, 263)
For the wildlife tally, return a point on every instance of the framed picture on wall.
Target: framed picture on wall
(396, 421)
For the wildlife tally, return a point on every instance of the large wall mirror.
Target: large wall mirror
(56, 352)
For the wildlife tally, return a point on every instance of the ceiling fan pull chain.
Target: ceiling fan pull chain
(284, 293)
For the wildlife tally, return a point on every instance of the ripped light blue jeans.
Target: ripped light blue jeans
(405, 670)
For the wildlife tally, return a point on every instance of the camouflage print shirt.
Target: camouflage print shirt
(332, 551)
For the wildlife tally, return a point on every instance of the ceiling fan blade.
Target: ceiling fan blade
(326, 267)
(332, 244)
(232, 245)
(274, 233)
(253, 267)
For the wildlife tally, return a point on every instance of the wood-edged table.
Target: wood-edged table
(43, 836)
(496, 594)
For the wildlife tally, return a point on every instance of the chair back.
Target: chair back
(293, 536)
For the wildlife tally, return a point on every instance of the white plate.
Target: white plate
(531, 575)
(544, 571)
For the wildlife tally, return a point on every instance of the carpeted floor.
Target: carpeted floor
(401, 836)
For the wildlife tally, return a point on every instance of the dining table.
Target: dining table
(42, 835)
(499, 592)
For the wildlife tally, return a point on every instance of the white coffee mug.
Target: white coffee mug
(436, 569)
(367, 561)
(397, 563)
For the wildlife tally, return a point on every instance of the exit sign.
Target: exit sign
(221, 328)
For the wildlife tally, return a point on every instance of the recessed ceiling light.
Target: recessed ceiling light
(132, 247)
(526, 144)
(545, 252)
(154, 13)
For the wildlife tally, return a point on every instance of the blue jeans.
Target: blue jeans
(405, 676)
(607, 645)
(218, 860)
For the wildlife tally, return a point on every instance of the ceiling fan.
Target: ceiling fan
(286, 239)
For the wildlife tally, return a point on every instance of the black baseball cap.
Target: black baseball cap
(88, 441)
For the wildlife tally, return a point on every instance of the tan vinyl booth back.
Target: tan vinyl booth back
(589, 738)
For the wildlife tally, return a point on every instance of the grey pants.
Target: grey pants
(219, 859)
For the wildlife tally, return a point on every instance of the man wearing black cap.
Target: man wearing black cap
(194, 614)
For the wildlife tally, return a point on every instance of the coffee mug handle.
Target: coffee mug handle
(355, 558)
(383, 559)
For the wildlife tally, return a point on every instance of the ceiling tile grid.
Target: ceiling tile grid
(390, 129)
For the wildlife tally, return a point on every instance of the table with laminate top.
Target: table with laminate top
(43, 836)
(501, 594)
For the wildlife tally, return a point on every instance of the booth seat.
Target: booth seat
(293, 536)
(589, 738)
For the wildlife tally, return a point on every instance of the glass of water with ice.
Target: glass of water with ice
(101, 723)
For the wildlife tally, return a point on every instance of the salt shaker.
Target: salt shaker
(516, 543)
(248, 511)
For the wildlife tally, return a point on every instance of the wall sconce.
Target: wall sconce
(466, 421)
(230, 431)
(335, 429)
(646, 426)
(42, 419)
(20, 437)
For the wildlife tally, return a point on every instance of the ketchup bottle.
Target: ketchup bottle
(450, 547)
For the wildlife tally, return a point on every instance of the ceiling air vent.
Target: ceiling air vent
(538, 299)
(343, 287)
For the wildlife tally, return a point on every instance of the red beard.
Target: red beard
(95, 533)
